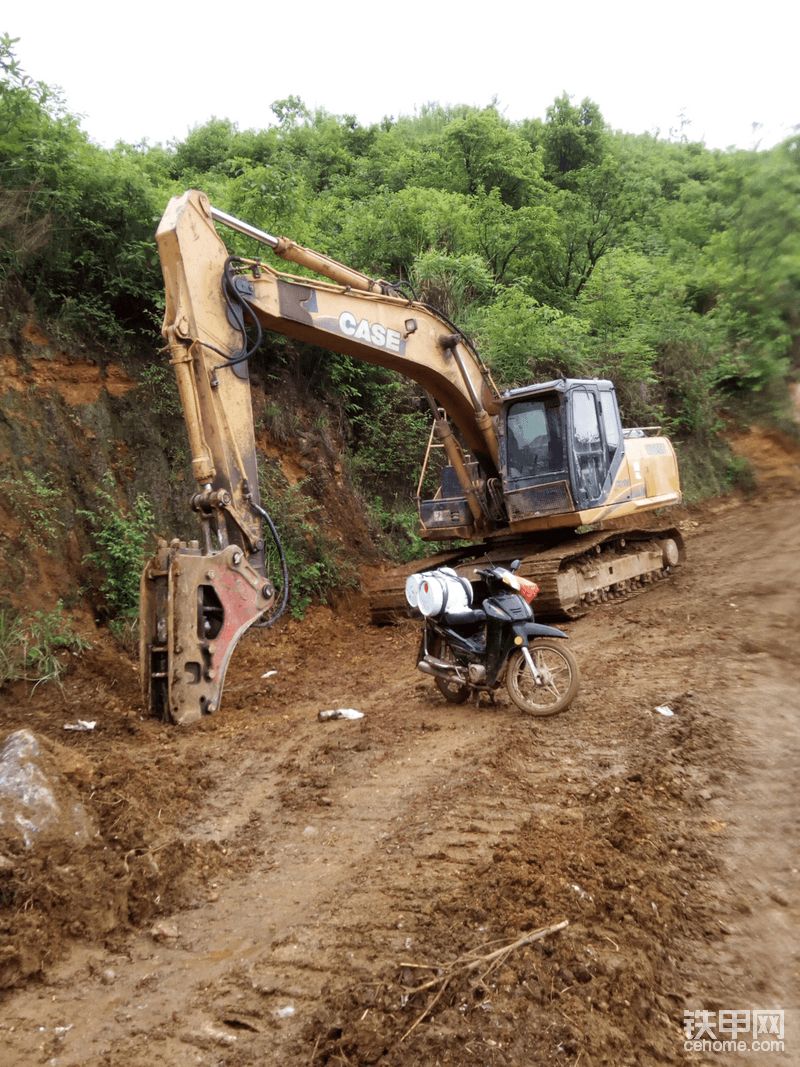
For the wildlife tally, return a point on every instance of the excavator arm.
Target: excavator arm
(352, 313)
(196, 601)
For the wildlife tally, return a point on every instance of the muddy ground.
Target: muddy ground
(265, 888)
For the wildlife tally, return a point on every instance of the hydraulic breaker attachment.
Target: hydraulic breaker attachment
(193, 609)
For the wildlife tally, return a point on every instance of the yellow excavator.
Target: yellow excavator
(532, 469)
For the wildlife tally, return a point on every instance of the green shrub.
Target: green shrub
(35, 502)
(162, 389)
(318, 565)
(740, 474)
(398, 527)
(32, 648)
(122, 540)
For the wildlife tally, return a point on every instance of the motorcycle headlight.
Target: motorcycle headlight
(511, 580)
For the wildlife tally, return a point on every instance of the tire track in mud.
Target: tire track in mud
(349, 851)
(316, 867)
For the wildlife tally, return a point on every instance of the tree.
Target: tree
(753, 269)
(485, 154)
(573, 138)
(603, 208)
(511, 240)
(97, 206)
(207, 147)
(525, 341)
(289, 112)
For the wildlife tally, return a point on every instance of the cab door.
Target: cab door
(595, 442)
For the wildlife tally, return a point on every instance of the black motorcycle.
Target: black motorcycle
(474, 650)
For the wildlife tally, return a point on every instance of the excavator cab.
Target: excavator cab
(560, 448)
(534, 458)
(597, 440)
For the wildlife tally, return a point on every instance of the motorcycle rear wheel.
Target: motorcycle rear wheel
(561, 678)
(453, 691)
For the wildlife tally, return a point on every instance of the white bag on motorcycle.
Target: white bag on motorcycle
(439, 591)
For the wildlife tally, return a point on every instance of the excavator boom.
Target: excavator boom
(354, 314)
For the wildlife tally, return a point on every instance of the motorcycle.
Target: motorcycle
(474, 650)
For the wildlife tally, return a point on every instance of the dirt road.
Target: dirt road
(284, 885)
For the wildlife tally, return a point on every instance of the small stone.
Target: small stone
(164, 931)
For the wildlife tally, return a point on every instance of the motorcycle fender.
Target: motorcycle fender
(527, 631)
(530, 630)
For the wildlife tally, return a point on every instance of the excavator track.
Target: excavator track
(573, 576)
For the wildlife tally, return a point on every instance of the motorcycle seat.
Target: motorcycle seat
(464, 618)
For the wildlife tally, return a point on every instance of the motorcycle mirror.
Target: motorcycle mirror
(514, 566)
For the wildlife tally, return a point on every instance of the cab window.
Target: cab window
(610, 424)
(591, 458)
(534, 438)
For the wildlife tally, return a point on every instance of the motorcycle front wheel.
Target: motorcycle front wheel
(453, 691)
(560, 678)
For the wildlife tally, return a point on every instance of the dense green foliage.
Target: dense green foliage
(559, 245)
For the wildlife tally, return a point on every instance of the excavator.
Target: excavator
(545, 473)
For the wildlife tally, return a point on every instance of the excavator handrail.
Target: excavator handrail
(641, 431)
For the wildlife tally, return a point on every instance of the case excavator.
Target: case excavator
(544, 473)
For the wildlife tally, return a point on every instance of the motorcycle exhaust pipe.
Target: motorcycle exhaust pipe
(438, 668)
(442, 669)
(428, 668)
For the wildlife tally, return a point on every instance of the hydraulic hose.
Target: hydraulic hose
(285, 569)
(237, 305)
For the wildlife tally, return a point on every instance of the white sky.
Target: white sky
(155, 69)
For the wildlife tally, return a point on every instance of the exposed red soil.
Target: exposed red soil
(266, 888)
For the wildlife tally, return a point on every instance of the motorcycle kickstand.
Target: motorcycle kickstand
(476, 697)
